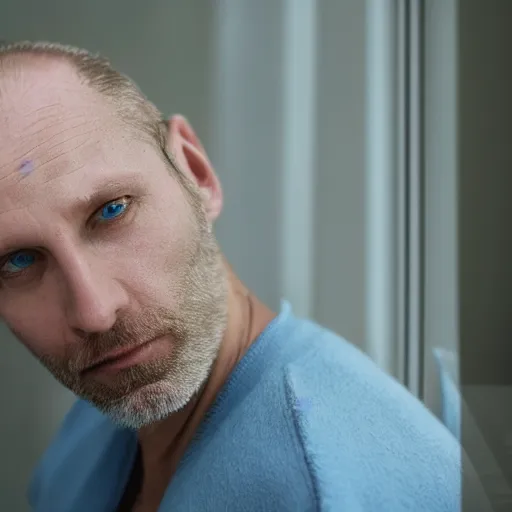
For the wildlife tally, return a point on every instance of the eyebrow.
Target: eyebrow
(105, 191)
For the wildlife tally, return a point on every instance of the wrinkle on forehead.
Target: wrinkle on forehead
(47, 119)
(58, 150)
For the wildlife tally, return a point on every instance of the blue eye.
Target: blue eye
(113, 209)
(18, 261)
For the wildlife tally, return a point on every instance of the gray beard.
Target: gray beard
(149, 393)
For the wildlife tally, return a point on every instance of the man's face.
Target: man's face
(101, 248)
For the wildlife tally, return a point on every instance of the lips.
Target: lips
(114, 356)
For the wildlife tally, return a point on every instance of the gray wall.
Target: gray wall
(340, 194)
(175, 51)
(247, 137)
(246, 89)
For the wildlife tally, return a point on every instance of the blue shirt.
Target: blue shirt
(306, 422)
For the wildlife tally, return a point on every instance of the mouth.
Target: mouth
(120, 359)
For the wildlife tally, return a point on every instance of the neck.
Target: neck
(164, 443)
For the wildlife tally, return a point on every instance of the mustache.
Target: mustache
(126, 333)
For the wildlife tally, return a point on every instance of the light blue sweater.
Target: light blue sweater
(306, 422)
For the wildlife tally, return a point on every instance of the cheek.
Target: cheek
(37, 326)
(37, 317)
(153, 259)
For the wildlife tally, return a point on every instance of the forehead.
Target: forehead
(36, 95)
(58, 140)
(49, 118)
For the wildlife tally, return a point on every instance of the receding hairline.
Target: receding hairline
(97, 73)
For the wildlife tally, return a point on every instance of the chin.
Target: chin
(149, 404)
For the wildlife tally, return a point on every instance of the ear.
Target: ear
(193, 160)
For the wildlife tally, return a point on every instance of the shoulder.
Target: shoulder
(366, 439)
(76, 441)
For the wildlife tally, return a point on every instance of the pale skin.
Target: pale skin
(86, 276)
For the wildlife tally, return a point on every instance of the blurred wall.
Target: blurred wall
(340, 185)
(220, 64)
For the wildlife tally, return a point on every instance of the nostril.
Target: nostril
(80, 333)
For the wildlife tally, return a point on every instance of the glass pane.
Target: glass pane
(468, 246)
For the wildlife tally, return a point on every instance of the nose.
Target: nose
(94, 297)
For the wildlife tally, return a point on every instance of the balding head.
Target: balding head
(91, 71)
(101, 247)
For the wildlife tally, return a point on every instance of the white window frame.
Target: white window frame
(395, 176)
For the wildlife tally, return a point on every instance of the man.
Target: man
(193, 395)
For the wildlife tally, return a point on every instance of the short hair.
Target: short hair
(97, 72)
